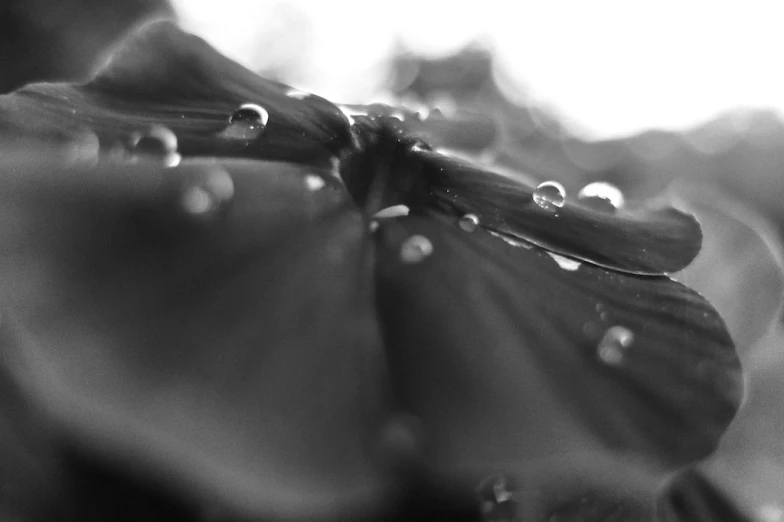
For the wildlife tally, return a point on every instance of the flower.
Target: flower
(197, 302)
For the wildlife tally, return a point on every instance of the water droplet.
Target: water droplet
(205, 197)
(313, 182)
(415, 249)
(469, 222)
(392, 212)
(247, 122)
(603, 195)
(549, 195)
(373, 226)
(157, 141)
(496, 500)
(615, 342)
(570, 265)
(297, 94)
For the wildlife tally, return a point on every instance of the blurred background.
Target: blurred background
(680, 100)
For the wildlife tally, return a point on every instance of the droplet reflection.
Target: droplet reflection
(549, 195)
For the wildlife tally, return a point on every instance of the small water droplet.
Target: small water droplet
(392, 212)
(247, 122)
(497, 500)
(549, 195)
(297, 94)
(615, 342)
(415, 249)
(313, 182)
(602, 195)
(157, 141)
(570, 265)
(373, 226)
(469, 222)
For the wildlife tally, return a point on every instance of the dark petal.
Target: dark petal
(470, 132)
(162, 75)
(500, 351)
(233, 354)
(691, 497)
(740, 268)
(642, 240)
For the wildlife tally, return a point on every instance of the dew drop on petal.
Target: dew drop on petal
(313, 182)
(614, 343)
(497, 500)
(549, 195)
(601, 194)
(415, 249)
(570, 265)
(247, 122)
(392, 212)
(158, 141)
(469, 222)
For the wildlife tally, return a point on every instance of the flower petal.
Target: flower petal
(162, 75)
(503, 351)
(640, 240)
(691, 497)
(232, 354)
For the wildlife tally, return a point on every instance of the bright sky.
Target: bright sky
(609, 67)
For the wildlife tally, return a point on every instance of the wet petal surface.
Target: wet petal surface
(167, 77)
(201, 346)
(638, 240)
(516, 364)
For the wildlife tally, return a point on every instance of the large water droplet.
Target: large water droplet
(602, 195)
(415, 249)
(549, 195)
(496, 500)
(247, 122)
(615, 342)
(158, 142)
(469, 222)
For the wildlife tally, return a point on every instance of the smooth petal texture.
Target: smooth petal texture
(691, 497)
(162, 75)
(499, 350)
(642, 240)
(233, 357)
